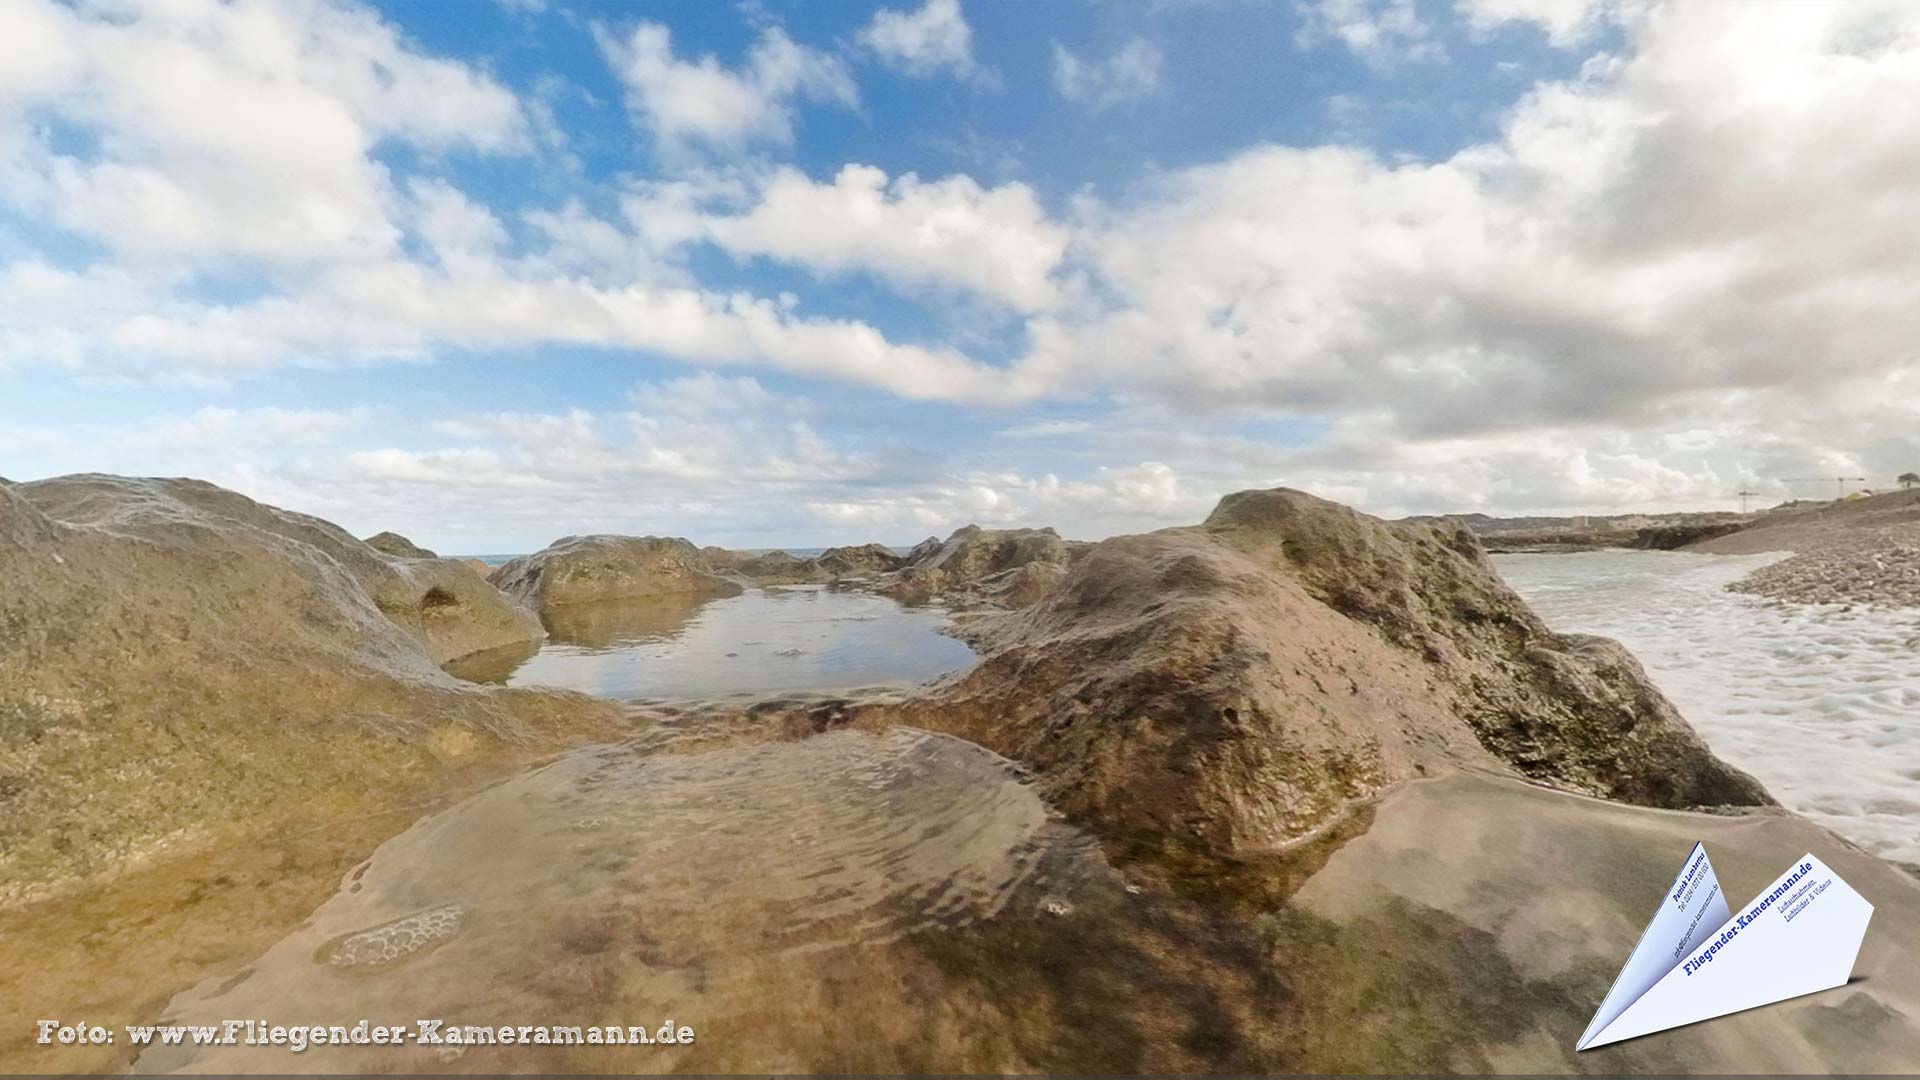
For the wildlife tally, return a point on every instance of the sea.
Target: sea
(1820, 702)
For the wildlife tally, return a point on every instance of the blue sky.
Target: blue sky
(765, 274)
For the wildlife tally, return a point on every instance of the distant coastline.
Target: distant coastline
(797, 552)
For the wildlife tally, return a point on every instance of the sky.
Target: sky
(762, 274)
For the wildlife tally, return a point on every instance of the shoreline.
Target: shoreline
(1211, 724)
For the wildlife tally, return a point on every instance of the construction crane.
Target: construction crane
(1744, 496)
(1839, 483)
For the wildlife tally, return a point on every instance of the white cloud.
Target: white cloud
(1045, 429)
(229, 430)
(1146, 495)
(935, 38)
(997, 242)
(1712, 215)
(1131, 73)
(706, 102)
(1381, 32)
(1565, 22)
(225, 132)
(1685, 270)
(464, 236)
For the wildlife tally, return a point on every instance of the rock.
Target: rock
(1593, 532)
(586, 569)
(972, 552)
(784, 568)
(392, 543)
(722, 559)
(775, 568)
(761, 567)
(1315, 744)
(1232, 688)
(1022, 586)
(1513, 908)
(842, 562)
(181, 658)
(437, 600)
(971, 556)
(1674, 537)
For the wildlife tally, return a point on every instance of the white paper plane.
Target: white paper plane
(1695, 961)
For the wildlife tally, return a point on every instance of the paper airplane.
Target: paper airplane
(1696, 961)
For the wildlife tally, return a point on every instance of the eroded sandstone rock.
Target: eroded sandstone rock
(973, 557)
(864, 559)
(179, 657)
(392, 543)
(1231, 688)
(586, 569)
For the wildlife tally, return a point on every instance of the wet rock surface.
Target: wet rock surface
(1511, 909)
(925, 911)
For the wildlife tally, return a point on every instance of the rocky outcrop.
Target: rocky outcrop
(440, 602)
(1594, 532)
(785, 568)
(180, 658)
(773, 568)
(1233, 688)
(969, 565)
(1675, 537)
(588, 569)
(866, 559)
(392, 543)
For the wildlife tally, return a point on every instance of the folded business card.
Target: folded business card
(1697, 960)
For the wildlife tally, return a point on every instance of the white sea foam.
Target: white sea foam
(1820, 702)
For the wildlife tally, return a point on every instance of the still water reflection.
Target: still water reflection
(774, 640)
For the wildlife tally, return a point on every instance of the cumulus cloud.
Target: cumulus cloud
(1131, 73)
(703, 101)
(195, 108)
(228, 429)
(1382, 32)
(997, 242)
(925, 42)
(1684, 270)
(219, 138)
(1565, 22)
(1708, 216)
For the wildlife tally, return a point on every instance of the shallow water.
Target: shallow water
(772, 640)
(1821, 704)
(635, 883)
